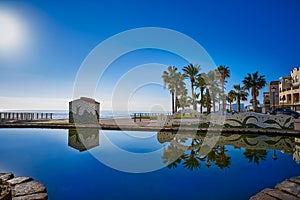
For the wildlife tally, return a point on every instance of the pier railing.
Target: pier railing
(141, 116)
(26, 116)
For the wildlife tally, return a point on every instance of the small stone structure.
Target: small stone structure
(21, 188)
(84, 111)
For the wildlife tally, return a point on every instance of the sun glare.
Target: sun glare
(11, 32)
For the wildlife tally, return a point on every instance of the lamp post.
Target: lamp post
(273, 90)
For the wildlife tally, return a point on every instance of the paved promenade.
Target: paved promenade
(143, 125)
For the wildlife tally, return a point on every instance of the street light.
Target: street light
(273, 90)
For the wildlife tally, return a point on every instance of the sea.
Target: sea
(64, 114)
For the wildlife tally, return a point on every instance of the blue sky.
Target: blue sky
(56, 37)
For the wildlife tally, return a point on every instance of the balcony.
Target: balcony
(296, 83)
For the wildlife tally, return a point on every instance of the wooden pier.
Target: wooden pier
(25, 116)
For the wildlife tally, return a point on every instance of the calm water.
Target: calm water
(64, 114)
(236, 167)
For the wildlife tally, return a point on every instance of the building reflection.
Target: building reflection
(190, 151)
(83, 139)
(296, 154)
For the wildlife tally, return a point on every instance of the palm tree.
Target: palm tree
(230, 97)
(191, 71)
(169, 78)
(183, 101)
(224, 74)
(200, 83)
(240, 94)
(255, 83)
(211, 79)
(180, 89)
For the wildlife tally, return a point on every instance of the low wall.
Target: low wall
(239, 120)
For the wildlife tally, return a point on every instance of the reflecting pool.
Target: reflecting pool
(67, 162)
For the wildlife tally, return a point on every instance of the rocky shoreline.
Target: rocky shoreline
(288, 189)
(21, 188)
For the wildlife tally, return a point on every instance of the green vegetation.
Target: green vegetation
(208, 89)
(186, 116)
(239, 94)
(255, 83)
(224, 74)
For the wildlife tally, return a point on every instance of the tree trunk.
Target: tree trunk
(239, 104)
(223, 99)
(193, 97)
(207, 101)
(173, 110)
(255, 103)
(176, 103)
(201, 91)
(214, 102)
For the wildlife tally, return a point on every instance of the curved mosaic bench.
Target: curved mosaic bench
(257, 120)
(240, 120)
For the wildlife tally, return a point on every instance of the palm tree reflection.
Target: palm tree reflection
(254, 155)
(189, 156)
(184, 149)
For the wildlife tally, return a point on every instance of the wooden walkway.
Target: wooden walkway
(288, 189)
(141, 116)
(4, 116)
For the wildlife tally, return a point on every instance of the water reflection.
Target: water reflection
(256, 149)
(83, 139)
(189, 147)
(296, 155)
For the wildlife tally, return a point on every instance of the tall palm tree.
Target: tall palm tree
(169, 78)
(255, 83)
(191, 71)
(224, 74)
(230, 98)
(240, 94)
(180, 89)
(211, 80)
(200, 83)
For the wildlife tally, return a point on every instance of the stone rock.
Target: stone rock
(262, 196)
(5, 192)
(289, 187)
(295, 179)
(27, 188)
(279, 194)
(38, 196)
(18, 180)
(6, 176)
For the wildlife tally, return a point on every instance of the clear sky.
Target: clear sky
(43, 44)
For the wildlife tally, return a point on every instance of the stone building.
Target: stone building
(84, 110)
(271, 98)
(284, 93)
(289, 90)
